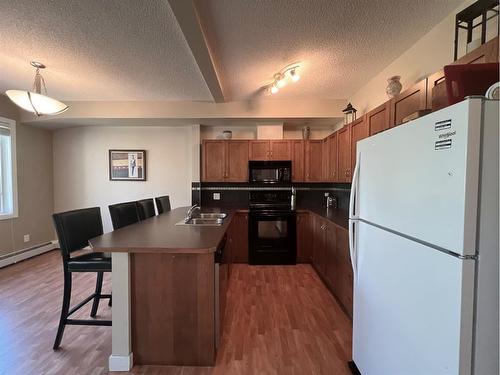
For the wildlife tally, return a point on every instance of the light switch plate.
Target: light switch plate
(327, 194)
(26, 238)
(216, 196)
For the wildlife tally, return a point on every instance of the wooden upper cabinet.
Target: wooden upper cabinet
(408, 102)
(333, 157)
(359, 131)
(259, 150)
(224, 161)
(344, 154)
(237, 161)
(280, 150)
(314, 160)
(297, 160)
(378, 119)
(326, 160)
(213, 161)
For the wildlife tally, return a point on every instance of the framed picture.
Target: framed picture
(127, 165)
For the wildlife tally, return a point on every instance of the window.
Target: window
(8, 175)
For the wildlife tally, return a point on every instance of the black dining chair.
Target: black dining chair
(123, 214)
(162, 204)
(146, 208)
(74, 230)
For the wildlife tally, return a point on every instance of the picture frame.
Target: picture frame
(127, 165)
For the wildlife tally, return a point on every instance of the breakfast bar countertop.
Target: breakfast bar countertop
(159, 234)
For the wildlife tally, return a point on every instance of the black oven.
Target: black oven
(270, 172)
(272, 228)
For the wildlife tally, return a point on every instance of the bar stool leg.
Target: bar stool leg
(98, 289)
(64, 310)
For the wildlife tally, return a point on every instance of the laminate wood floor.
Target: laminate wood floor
(280, 320)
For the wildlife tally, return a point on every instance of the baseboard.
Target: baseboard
(27, 253)
(121, 362)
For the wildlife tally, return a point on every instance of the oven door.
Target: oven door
(272, 237)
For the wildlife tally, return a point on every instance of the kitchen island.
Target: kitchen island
(165, 291)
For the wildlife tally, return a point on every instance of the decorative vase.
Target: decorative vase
(227, 134)
(393, 86)
(306, 132)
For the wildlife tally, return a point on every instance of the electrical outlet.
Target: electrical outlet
(216, 196)
(26, 238)
(327, 194)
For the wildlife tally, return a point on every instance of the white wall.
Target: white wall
(81, 175)
(427, 56)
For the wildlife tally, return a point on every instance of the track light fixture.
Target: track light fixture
(280, 79)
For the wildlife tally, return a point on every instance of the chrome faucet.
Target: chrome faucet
(190, 212)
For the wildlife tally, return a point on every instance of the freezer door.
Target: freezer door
(421, 178)
(412, 307)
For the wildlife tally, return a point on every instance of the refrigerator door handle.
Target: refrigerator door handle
(354, 190)
(352, 249)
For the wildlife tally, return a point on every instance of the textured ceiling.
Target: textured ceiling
(99, 50)
(341, 43)
(135, 49)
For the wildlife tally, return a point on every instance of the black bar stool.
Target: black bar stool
(123, 214)
(74, 230)
(162, 204)
(146, 208)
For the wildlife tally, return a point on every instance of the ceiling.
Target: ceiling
(99, 50)
(341, 44)
(124, 50)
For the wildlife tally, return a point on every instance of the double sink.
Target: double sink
(207, 219)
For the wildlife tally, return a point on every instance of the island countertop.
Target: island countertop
(159, 234)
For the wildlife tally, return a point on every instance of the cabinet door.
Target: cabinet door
(408, 102)
(240, 238)
(378, 119)
(333, 165)
(345, 277)
(331, 258)
(280, 150)
(314, 160)
(303, 238)
(344, 154)
(319, 245)
(214, 161)
(326, 160)
(259, 150)
(297, 161)
(359, 131)
(237, 161)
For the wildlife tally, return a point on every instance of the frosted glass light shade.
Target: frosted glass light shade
(36, 103)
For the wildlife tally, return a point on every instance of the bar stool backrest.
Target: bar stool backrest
(146, 208)
(75, 228)
(123, 214)
(162, 204)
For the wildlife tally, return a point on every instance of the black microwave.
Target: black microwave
(270, 172)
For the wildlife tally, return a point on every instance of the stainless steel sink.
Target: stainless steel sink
(210, 215)
(204, 219)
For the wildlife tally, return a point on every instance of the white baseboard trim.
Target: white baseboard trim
(25, 254)
(121, 362)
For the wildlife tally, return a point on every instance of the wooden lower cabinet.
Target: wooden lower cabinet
(331, 259)
(319, 242)
(304, 237)
(238, 237)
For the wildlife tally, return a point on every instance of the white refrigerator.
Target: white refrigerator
(424, 242)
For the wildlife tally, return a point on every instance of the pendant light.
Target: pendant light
(36, 100)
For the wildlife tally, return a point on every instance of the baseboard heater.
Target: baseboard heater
(19, 255)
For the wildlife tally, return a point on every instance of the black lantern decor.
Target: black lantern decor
(349, 113)
(475, 15)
